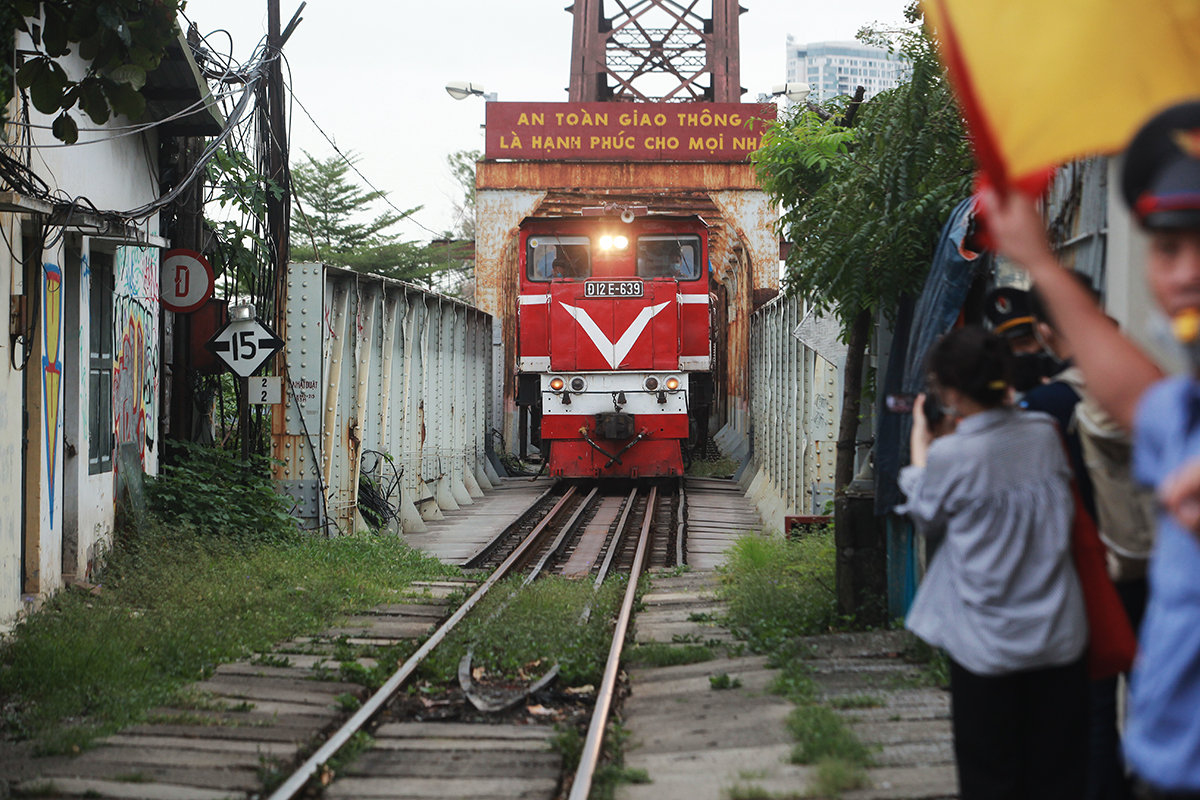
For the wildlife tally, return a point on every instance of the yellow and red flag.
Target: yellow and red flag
(1042, 82)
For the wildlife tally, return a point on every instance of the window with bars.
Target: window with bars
(100, 363)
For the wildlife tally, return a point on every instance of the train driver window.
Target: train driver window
(668, 257)
(558, 257)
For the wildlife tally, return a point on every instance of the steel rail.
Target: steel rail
(553, 550)
(590, 755)
(300, 777)
(618, 536)
(484, 552)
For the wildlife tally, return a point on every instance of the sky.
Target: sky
(372, 73)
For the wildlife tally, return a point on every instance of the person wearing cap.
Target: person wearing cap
(1009, 312)
(1061, 396)
(1161, 184)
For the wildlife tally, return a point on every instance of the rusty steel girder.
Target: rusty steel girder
(655, 50)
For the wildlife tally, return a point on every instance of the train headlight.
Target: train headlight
(557, 384)
(621, 242)
(578, 384)
(606, 242)
(672, 384)
(651, 383)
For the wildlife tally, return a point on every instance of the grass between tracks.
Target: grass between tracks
(779, 590)
(173, 606)
(713, 468)
(522, 632)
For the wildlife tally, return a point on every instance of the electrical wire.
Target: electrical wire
(408, 215)
(130, 130)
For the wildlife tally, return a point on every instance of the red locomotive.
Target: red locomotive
(613, 342)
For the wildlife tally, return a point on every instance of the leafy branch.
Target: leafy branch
(864, 206)
(121, 41)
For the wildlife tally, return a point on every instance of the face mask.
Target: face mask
(1028, 370)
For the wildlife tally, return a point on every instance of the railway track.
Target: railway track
(580, 531)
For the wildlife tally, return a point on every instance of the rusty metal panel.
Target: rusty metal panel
(1077, 216)
(792, 413)
(648, 179)
(295, 428)
(404, 382)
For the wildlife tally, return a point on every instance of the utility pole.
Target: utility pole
(278, 207)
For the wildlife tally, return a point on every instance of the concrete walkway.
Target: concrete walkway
(698, 743)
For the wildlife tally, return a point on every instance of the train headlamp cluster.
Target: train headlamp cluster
(577, 384)
(653, 383)
(609, 242)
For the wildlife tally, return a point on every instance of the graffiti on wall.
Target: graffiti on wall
(52, 367)
(136, 357)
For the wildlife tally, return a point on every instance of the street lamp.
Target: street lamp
(461, 90)
(794, 92)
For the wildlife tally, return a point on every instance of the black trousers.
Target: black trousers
(1021, 736)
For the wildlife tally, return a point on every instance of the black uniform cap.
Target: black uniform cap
(1161, 175)
(1008, 311)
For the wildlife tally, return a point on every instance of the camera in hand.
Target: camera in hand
(904, 404)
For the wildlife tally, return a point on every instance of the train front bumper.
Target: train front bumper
(612, 425)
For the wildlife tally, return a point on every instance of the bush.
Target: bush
(214, 493)
(779, 589)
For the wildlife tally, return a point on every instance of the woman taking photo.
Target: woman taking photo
(991, 491)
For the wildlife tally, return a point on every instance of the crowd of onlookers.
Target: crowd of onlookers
(1055, 471)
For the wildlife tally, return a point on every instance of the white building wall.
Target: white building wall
(73, 510)
(11, 396)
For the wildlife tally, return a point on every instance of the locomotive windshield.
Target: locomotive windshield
(668, 257)
(554, 257)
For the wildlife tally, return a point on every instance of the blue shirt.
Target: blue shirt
(1162, 738)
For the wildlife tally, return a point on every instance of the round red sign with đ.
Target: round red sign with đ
(186, 281)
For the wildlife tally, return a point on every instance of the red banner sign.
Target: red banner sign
(625, 131)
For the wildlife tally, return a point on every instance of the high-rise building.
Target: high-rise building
(836, 68)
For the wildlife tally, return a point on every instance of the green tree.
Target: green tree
(119, 40)
(331, 204)
(239, 249)
(326, 225)
(864, 207)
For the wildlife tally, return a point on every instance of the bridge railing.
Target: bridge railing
(388, 404)
(789, 429)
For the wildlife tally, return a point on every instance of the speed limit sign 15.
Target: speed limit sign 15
(244, 345)
(185, 281)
